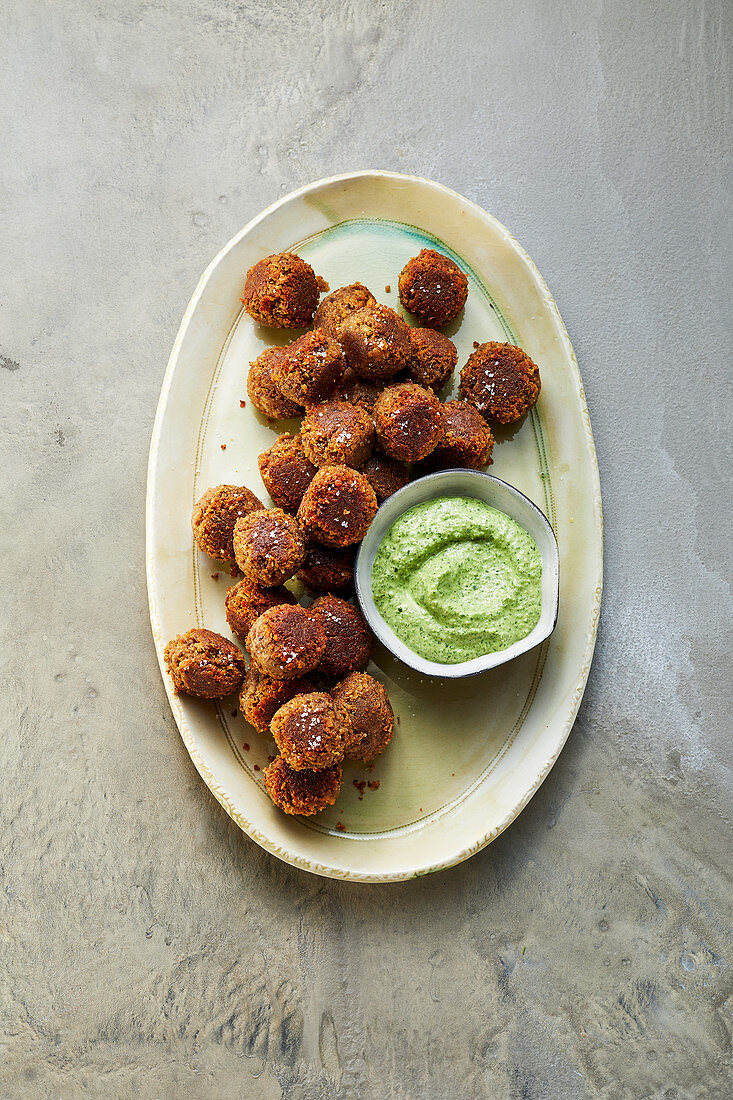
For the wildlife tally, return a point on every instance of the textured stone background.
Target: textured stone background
(150, 950)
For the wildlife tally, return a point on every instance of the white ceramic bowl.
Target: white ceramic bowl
(505, 498)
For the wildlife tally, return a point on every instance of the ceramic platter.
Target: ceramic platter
(467, 755)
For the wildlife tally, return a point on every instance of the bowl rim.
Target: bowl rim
(399, 503)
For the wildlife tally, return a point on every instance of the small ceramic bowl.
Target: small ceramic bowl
(505, 498)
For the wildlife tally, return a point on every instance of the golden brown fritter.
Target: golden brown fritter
(310, 368)
(310, 731)
(338, 507)
(286, 642)
(376, 342)
(433, 360)
(357, 391)
(261, 696)
(349, 641)
(263, 391)
(214, 516)
(286, 472)
(203, 663)
(501, 381)
(370, 713)
(339, 305)
(433, 287)
(336, 433)
(269, 547)
(245, 602)
(281, 291)
(327, 569)
(409, 422)
(303, 792)
(385, 475)
(467, 440)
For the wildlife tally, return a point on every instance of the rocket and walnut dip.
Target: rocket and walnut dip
(453, 578)
(456, 579)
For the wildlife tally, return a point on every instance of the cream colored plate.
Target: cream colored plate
(467, 756)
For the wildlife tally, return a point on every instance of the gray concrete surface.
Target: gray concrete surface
(150, 950)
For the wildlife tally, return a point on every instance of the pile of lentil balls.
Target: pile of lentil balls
(366, 384)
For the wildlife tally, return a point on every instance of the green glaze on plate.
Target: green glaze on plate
(455, 578)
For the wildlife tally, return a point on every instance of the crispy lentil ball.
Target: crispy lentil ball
(357, 391)
(336, 433)
(385, 476)
(339, 305)
(303, 792)
(269, 547)
(434, 358)
(286, 641)
(326, 569)
(262, 390)
(338, 507)
(433, 287)
(370, 713)
(245, 602)
(261, 696)
(467, 441)
(286, 472)
(409, 422)
(310, 731)
(501, 381)
(349, 642)
(376, 342)
(281, 291)
(310, 368)
(203, 663)
(214, 516)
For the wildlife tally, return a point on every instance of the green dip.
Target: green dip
(456, 579)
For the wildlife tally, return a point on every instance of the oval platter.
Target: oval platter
(467, 755)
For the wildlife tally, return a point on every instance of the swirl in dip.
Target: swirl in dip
(456, 579)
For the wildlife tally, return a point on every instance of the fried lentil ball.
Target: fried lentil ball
(326, 569)
(310, 368)
(501, 381)
(339, 305)
(311, 731)
(376, 342)
(338, 507)
(214, 516)
(245, 602)
(336, 433)
(262, 390)
(349, 642)
(286, 472)
(281, 291)
(433, 288)
(203, 663)
(385, 476)
(409, 422)
(303, 792)
(269, 547)
(286, 642)
(261, 696)
(467, 441)
(357, 391)
(434, 358)
(370, 713)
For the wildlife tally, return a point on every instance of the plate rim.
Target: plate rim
(288, 856)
